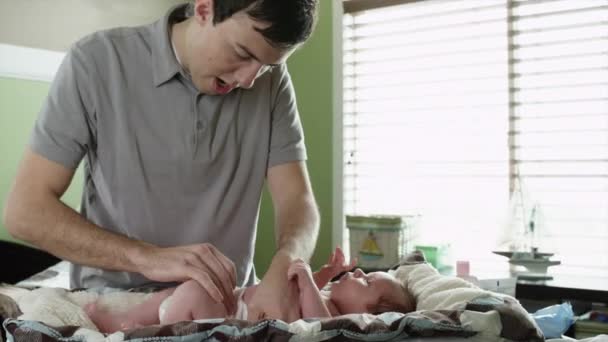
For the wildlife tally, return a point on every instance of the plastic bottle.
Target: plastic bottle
(463, 270)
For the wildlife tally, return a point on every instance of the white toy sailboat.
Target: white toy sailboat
(522, 249)
(535, 264)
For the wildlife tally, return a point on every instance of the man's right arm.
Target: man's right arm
(34, 213)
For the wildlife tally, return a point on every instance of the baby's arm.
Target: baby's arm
(311, 302)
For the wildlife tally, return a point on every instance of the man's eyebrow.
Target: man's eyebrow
(252, 55)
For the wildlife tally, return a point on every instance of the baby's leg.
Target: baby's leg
(190, 301)
(145, 313)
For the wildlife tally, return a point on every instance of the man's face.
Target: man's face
(227, 55)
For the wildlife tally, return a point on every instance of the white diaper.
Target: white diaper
(162, 309)
(241, 306)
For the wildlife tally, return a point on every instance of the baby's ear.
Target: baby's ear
(401, 301)
(386, 306)
(378, 309)
(381, 308)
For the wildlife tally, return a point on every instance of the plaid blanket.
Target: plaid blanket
(363, 327)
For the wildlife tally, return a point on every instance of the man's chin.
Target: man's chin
(203, 87)
(204, 90)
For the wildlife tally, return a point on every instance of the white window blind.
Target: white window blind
(559, 117)
(445, 103)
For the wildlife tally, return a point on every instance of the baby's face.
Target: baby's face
(358, 292)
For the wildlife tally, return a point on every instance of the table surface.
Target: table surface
(593, 289)
(560, 288)
(572, 282)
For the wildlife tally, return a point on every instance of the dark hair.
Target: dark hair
(291, 21)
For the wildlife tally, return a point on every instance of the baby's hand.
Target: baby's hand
(337, 263)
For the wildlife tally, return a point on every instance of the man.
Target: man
(177, 141)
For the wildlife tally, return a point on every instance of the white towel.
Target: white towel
(58, 307)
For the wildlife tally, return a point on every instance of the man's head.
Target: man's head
(229, 43)
(291, 22)
(376, 292)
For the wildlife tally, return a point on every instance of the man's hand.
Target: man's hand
(203, 263)
(276, 297)
(311, 302)
(300, 271)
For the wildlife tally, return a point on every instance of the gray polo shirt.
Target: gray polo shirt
(164, 163)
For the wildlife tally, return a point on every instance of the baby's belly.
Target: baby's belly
(250, 291)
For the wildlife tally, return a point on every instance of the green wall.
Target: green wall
(19, 104)
(311, 70)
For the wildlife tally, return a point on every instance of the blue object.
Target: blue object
(554, 320)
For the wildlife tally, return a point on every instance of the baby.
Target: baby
(354, 292)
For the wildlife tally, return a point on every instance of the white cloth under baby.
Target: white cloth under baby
(241, 306)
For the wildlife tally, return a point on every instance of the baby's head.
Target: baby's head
(376, 292)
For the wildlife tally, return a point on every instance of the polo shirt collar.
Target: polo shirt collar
(163, 59)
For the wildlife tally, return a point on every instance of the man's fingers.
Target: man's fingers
(223, 283)
(211, 273)
(226, 263)
(225, 275)
(205, 281)
(194, 259)
(227, 295)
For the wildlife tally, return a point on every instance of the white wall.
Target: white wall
(55, 24)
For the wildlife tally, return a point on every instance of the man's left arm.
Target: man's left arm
(296, 231)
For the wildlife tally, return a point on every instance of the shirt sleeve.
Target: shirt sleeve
(287, 137)
(64, 128)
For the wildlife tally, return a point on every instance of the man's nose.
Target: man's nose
(247, 74)
(358, 273)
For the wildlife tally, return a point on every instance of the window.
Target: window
(447, 105)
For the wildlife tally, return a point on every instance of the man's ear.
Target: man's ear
(203, 11)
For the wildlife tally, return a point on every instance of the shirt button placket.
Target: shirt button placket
(198, 125)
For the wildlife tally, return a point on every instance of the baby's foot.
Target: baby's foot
(91, 310)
